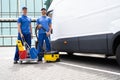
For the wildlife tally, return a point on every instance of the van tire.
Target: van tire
(118, 54)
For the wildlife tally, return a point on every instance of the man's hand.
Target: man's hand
(48, 33)
(21, 35)
(39, 26)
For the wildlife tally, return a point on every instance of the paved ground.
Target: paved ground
(70, 68)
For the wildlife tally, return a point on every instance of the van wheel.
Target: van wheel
(118, 54)
(70, 53)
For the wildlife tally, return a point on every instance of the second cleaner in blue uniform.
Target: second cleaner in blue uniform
(44, 24)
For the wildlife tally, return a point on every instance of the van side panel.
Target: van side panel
(66, 45)
(110, 38)
(93, 44)
(98, 44)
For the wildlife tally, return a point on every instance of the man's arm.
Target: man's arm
(50, 25)
(38, 25)
(19, 27)
(50, 28)
(31, 30)
(19, 30)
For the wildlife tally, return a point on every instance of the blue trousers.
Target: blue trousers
(27, 39)
(43, 37)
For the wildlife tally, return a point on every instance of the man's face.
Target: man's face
(24, 11)
(44, 12)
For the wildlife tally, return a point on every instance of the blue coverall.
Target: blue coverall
(45, 22)
(25, 29)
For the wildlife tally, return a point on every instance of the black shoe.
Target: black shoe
(15, 62)
(39, 60)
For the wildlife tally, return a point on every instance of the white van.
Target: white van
(86, 26)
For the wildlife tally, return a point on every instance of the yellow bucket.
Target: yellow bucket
(20, 46)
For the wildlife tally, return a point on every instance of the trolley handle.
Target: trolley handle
(25, 43)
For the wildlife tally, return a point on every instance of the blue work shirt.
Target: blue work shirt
(25, 24)
(45, 21)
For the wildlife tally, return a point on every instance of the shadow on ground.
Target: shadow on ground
(94, 61)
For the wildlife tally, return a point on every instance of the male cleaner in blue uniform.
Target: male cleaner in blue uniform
(44, 24)
(24, 31)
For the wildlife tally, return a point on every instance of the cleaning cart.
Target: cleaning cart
(25, 52)
(51, 56)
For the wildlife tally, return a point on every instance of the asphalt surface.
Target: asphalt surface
(70, 68)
